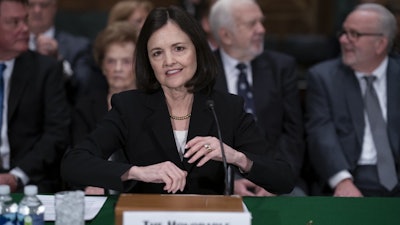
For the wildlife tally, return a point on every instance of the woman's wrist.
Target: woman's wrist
(244, 163)
(131, 174)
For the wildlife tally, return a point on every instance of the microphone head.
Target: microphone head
(210, 103)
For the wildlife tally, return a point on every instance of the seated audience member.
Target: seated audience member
(268, 83)
(202, 15)
(353, 110)
(190, 6)
(113, 51)
(165, 128)
(133, 11)
(34, 113)
(73, 51)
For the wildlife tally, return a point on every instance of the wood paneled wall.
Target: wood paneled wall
(100, 5)
(298, 16)
(283, 16)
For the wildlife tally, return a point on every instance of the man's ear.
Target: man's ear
(226, 36)
(382, 45)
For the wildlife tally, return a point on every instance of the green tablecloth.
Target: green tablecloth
(301, 210)
(324, 211)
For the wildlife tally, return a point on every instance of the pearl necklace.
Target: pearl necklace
(180, 117)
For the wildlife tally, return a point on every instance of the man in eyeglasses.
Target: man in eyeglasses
(34, 114)
(353, 105)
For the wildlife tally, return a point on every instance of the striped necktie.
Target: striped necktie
(385, 164)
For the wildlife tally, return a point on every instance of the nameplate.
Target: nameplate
(185, 218)
(155, 209)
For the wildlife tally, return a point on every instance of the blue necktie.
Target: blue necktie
(385, 164)
(2, 68)
(244, 89)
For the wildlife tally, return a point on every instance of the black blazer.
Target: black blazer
(88, 111)
(335, 116)
(277, 104)
(139, 124)
(38, 119)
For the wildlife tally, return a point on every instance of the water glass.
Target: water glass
(70, 207)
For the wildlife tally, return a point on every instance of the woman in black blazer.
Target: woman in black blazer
(166, 129)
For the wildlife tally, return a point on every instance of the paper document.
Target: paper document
(93, 205)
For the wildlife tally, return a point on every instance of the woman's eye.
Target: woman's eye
(127, 61)
(156, 53)
(180, 48)
(110, 61)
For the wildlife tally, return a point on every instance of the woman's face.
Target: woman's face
(172, 56)
(118, 66)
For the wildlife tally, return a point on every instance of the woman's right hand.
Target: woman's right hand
(165, 172)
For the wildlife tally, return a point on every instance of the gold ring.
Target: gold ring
(208, 147)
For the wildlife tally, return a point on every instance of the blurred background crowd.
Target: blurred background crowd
(94, 41)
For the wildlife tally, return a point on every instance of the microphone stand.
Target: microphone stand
(227, 168)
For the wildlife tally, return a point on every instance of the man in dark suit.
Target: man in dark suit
(73, 51)
(34, 110)
(271, 79)
(347, 142)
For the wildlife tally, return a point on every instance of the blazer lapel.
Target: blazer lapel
(262, 71)
(201, 122)
(220, 83)
(393, 104)
(22, 69)
(355, 102)
(161, 126)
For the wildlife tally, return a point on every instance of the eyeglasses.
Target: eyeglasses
(354, 35)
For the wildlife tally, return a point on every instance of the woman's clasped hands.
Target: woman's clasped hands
(199, 150)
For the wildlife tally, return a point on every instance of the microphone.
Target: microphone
(227, 168)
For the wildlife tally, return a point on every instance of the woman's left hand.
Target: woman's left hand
(208, 148)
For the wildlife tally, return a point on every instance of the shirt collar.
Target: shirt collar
(9, 67)
(227, 60)
(50, 32)
(230, 62)
(379, 72)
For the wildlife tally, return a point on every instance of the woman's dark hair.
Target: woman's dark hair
(207, 66)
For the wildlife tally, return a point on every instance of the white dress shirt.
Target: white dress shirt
(180, 141)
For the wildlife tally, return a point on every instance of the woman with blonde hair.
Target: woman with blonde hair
(133, 11)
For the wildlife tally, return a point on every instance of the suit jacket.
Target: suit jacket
(139, 124)
(38, 119)
(88, 112)
(77, 51)
(277, 104)
(335, 116)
